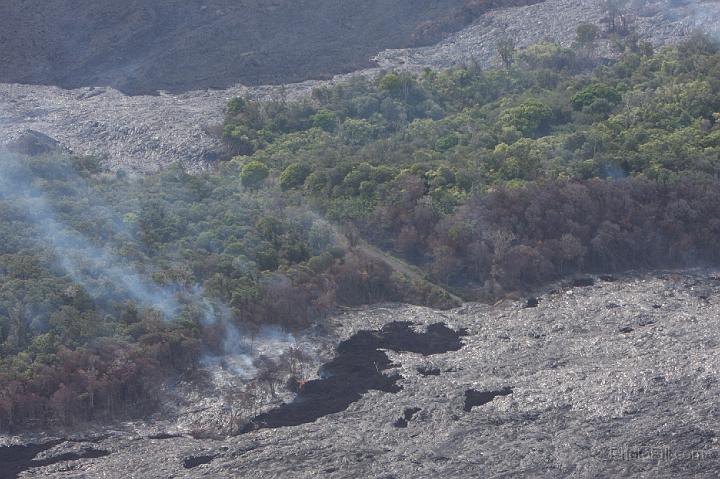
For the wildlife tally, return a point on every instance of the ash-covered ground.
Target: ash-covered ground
(146, 133)
(614, 379)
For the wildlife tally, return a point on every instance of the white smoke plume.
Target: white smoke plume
(87, 264)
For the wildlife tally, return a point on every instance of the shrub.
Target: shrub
(253, 173)
(294, 176)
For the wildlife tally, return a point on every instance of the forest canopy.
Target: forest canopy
(594, 166)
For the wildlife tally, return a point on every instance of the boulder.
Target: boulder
(35, 143)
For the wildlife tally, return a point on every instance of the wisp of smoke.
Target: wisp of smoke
(80, 259)
(103, 275)
(240, 348)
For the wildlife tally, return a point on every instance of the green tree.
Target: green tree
(586, 34)
(253, 173)
(529, 117)
(316, 181)
(391, 83)
(294, 176)
(357, 132)
(266, 257)
(506, 48)
(325, 119)
(596, 97)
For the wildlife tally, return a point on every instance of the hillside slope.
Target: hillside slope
(141, 46)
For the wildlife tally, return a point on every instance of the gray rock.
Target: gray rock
(586, 401)
(34, 143)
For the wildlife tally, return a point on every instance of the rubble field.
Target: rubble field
(611, 377)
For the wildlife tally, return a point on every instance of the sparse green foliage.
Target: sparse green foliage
(357, 132)
(614, 11)
(586, 34)
(506, 48)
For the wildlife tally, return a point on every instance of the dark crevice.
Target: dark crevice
(195, 461)
(478, 398)
(400, 422)
(358, 368)
(410, 412)
(17, 459)
(428, 371)
(532, 302)
(407, 416)
(583, 282)
(164, 435)
(85, 453)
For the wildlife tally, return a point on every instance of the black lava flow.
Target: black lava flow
(478, 398)
(196, 461)
(358, 368)
(16, 459)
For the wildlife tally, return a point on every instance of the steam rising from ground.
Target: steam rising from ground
(242, 351)
(105, 276)
(241, 348)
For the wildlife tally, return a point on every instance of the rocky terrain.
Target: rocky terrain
(145, 133)
(661, 23)
(601, 377)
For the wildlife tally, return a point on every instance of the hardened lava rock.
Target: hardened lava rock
(614, 379)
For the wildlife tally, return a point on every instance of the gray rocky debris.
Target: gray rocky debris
(573, 396)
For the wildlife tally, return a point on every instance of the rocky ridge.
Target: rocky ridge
(602, 378)
(146, 133)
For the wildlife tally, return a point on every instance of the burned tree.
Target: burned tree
(268, 373)
(506, 49)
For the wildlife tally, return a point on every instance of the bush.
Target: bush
(590, 97)
(253, 173)
(357, 132)
(530, 117)
(294, 176)
(325, 119)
